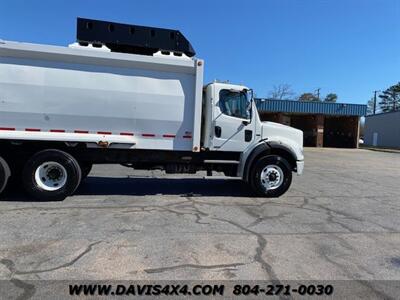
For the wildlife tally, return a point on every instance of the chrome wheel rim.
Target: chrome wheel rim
(271, 177)
(51, 176)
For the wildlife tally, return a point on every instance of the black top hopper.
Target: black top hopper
(132, 38)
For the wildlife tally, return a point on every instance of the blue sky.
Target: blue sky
(350, 47)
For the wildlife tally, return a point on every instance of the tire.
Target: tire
(51, 175)
(16, 167)
(86, 168)
(270, 176)
(4, 174)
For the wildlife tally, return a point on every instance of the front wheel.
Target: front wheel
(51, 175)
(271, 176)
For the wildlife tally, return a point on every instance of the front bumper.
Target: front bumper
(299, 167)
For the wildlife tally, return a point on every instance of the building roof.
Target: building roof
(382, 114)
(323, 108)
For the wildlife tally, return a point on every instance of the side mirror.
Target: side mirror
(250, 98)
(249, 94)
(245, 122)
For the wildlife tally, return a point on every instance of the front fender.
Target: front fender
(248, 157)
(266, 147)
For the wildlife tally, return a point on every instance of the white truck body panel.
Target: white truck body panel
(289, 137)
(73, 94)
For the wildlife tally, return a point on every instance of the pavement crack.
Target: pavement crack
(193, 266)
(28, 289)
(139, 208)
(198, 213)
(333, 216)
(10, 265)
(190, 203)
(260, 218)
(262, 243)
(367, 284)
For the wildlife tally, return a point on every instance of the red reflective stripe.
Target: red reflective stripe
(32, 129)
(148, 135)
(57, 130)
(7, 128)
(126, 133)
(187, 136)
(169, 135)
(81, 131)
(103, 132)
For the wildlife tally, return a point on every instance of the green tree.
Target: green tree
(309, 97)
(390, 98)
(331, 98)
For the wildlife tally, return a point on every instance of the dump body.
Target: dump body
(77, 94)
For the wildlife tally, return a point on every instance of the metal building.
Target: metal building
(324, 124)
(383, 130)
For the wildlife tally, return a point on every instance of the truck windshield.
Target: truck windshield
(234, 104)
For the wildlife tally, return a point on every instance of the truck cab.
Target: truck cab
(232, 124)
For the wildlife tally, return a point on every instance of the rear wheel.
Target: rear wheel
(51, 175)
(16, 166)
(271, 176)
(4, 174)
(86, 168)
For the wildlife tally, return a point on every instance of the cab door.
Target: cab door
(233, 129)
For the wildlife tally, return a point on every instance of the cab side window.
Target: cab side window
(233, 104)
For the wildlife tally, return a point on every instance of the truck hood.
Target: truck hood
(286, 136)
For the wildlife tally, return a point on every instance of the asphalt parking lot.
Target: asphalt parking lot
(340, 220)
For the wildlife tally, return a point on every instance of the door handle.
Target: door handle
(218, 131)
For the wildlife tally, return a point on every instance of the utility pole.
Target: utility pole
(375, 100)
(317, 90)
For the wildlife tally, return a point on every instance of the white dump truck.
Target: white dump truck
(130, 95)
